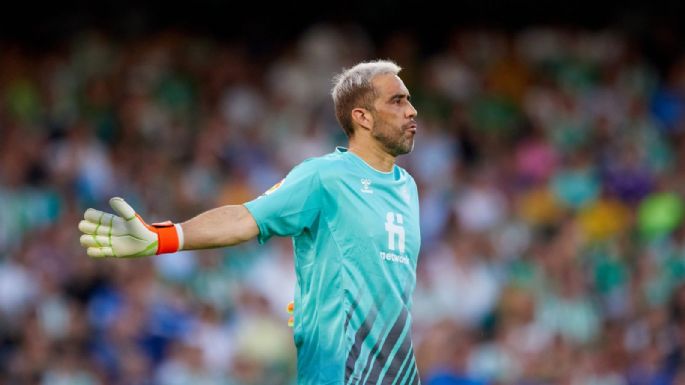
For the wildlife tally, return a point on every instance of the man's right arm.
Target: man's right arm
(126, 235)
(285, 210)
(221, 226)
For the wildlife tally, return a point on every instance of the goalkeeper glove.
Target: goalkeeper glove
(126, 235)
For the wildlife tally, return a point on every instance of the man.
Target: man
(354, 218)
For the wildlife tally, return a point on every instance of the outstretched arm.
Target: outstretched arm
(126, 235)
(222, 226)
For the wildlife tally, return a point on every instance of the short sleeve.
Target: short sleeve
(290, 206)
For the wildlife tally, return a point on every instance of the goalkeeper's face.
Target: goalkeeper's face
(394, 124)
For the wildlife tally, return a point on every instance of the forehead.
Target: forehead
(388, 85)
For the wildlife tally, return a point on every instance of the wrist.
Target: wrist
(169, 237)
(179, 233)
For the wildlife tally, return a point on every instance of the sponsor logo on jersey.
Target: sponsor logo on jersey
(395, 228)
(394, 225)
(390, 257)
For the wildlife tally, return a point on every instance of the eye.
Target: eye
(398, 100)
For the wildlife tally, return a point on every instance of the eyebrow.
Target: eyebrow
(400, 96)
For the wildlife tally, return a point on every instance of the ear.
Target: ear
(363, 118)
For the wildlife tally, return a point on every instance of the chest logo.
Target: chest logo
(366, 183)
(395, 228)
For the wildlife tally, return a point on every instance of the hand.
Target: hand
(125, 235)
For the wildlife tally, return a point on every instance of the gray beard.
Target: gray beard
(393, 146)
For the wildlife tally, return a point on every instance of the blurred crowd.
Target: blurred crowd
(551, 172)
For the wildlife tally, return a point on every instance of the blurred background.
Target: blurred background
(550, 160)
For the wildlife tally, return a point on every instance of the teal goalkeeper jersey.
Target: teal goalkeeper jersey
(356, 239)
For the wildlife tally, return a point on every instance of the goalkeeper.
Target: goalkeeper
(354, 218)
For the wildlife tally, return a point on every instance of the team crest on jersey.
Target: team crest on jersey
(366, 183)
(274, 187)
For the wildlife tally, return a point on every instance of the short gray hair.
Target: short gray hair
(352, 88)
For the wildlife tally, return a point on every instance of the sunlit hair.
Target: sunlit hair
(352, 88)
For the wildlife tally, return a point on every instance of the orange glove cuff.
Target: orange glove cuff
(167, 233)
(169, 236)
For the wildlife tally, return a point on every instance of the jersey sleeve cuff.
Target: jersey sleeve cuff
(263, 235)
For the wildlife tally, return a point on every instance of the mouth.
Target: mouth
(411, 128)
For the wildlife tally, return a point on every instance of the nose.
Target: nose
(411, 111)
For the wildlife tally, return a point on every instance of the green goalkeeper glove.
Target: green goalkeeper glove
(126, 235)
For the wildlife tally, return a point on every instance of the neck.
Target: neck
(372, 154)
